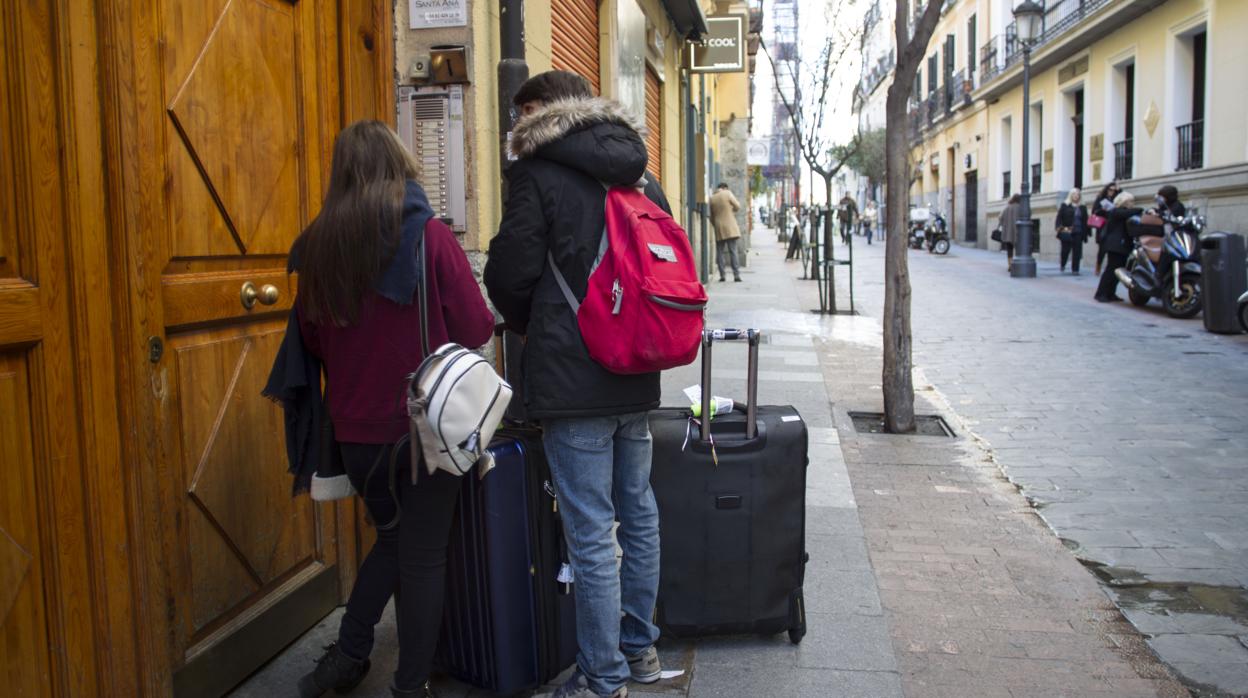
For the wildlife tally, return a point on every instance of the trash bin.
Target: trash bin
(1225, 279)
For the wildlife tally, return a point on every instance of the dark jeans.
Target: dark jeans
(1074, 252)
(407, 562)
(726, 254)
(1108, 287)
(795, 245)
(866, 229)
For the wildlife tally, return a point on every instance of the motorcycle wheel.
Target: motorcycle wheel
(942, 247)
(1188, 304)
(1243, 316)
(1137, 297)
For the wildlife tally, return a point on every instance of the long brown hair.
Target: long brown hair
(347, 246)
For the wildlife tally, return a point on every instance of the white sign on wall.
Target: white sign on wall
(758, 152)
(430, 14)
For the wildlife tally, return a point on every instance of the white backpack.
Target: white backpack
(455, 401)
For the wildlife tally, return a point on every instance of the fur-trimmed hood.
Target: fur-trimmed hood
(595, 136)
(557, 119)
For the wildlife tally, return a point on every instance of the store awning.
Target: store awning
(688, 17)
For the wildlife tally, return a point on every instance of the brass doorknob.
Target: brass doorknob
(265, 295)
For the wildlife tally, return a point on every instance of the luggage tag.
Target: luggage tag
(689, 427)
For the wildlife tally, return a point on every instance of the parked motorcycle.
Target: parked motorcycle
(1243, 311)
(1165, 263)
(936, 234)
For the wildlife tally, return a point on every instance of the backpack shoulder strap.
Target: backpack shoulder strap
(604, 243)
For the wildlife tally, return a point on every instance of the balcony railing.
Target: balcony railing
(1192, 145)
(1124, 155)
(917, 121)
(1005, 184)
(1035, 178)
(1004, 50)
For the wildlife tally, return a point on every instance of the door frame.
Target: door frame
(131, 116)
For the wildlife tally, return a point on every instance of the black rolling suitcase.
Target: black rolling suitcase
(508, 624)
(732, 513)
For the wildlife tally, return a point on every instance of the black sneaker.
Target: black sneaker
(334, 671)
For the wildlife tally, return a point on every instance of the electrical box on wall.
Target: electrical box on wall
(431, 124)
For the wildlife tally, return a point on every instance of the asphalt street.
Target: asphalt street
(1127, 429)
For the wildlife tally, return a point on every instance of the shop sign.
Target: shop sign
(723, 49)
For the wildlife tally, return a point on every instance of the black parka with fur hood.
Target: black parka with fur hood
(556, 202)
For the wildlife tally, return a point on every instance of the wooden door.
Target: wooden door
(51, 579)
(234, 114)
(25, 666)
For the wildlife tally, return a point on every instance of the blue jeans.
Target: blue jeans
(601, 469)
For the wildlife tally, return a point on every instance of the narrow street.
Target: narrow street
(1127, 429)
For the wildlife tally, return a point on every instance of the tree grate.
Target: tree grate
(924, 425)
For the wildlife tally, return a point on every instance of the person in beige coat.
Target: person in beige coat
(724, 207)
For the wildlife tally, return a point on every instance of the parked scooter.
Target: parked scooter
(917, 232)
(936, 234)
(1165, 263)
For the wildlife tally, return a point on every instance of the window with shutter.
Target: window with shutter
(654, 124)
(574, 38)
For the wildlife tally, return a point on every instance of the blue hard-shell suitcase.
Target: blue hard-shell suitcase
(509, 624)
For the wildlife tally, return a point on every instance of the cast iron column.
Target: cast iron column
(1024, 266)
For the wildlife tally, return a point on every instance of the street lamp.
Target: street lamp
(1028, 19)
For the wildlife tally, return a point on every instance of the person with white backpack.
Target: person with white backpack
(381, 280)
(576, 211)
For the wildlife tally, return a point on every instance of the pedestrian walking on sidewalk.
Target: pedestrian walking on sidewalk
(1072, 230)
(724, 207)
(1101, 207)
(870, 216)
(595, 423)
(848, 211)
(1118, 245)
(1008, 225)
(359, 269)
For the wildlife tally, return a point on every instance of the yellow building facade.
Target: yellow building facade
(639, 50)
(1138, 91)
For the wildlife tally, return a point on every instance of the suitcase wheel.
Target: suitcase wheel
(797, 617)
(796, 634)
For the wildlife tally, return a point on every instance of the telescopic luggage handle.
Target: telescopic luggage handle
(709, 337)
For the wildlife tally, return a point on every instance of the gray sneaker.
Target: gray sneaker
(577, 687)
(644, 667)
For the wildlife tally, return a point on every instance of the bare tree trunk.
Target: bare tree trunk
(898, 379)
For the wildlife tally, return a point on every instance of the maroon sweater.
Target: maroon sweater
(367, 364)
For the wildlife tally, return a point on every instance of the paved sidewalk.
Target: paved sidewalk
(982, 599)
(929, 576)
(1126, 428)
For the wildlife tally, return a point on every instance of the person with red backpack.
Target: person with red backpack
(586, 260)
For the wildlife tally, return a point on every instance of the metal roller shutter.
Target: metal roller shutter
(574, 38)
(654, 127)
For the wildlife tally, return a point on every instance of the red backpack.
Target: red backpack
(643, 307)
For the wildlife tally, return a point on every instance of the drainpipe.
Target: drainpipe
(512, 72)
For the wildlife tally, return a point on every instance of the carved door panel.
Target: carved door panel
(34, 358)
(247, 118)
